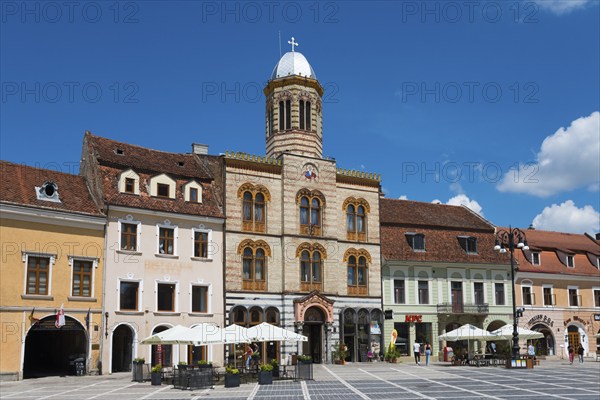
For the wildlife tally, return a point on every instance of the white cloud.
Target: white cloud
(567, 160)
(566, 217)
(561, 7)
(403, 197)
(463, 200)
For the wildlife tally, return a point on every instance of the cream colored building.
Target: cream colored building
(52, 237)
(302, 235)
(164, 248)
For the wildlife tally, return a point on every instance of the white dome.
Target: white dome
(293, 63)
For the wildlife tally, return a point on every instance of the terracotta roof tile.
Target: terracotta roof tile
(18, 183)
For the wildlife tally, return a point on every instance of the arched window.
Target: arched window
(311, 271)
(305, 115)
(357, 275)
(254, 268)
(254, 201)
(285, 115)
(311, 204)
(356, 219)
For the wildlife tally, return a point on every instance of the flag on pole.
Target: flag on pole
(33, 320)
(60, 317)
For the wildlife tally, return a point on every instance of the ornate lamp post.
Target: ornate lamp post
(509, 240)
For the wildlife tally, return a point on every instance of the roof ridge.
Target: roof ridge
(36, 168)
(140, 147)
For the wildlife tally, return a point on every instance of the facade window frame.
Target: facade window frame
(166, 226)
(73, 260)
(207, 294)
(502, 298)
(596, 296)
(423, 292)
(174, 298)
(548, 295)
(573, 294)
(399, 291)
(527, 295)
(206, 244)
(536, 258)
(138, 231)
(138, 294)
(51, 258)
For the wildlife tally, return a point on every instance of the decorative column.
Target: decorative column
(299, 328)
(328, 341)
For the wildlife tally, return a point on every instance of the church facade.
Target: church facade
(302, 244)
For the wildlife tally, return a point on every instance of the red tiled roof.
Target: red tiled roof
(442, 225)
(108, 164)
(141, 159)
(18, 183)
(551, 244)
(416, 213)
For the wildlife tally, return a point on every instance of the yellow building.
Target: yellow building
(52, 236)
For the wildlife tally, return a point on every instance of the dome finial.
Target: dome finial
(292, 43)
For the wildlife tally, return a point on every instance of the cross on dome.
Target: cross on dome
(292, 43)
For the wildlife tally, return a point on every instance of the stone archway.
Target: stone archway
(50, 350)
(122, 349)
(546, 345)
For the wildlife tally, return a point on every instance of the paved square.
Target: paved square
(553, 379)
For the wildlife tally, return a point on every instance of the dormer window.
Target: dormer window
(48, 192)
(162, 190)
(192, 192)
(468, 243)
(180, 163)
(535, 258)
(129, 185)
(416, 241)
(119, 152)
(570, 261)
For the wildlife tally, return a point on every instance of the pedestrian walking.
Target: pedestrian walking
(427, 353)
(580, 352)
(571, 354)
(248, 351)
(417, 351)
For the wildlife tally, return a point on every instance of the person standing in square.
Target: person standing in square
(417, 351)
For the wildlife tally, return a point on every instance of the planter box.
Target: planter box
(137, 371)
(276, 372)
(155, 378)
(265, 377)
(232, 380)
(304, 370)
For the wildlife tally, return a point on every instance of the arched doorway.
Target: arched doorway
(573, 337)
(50, 350)
(312, 328)
(545, 345)
(162, 353)
(122, 349)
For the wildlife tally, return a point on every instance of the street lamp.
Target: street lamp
(511, 239)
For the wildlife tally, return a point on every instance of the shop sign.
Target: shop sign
(541, 318)
(413, 318)
(578, 319)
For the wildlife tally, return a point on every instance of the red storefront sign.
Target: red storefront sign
(413, 318)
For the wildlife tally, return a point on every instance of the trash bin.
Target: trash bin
(448, 354)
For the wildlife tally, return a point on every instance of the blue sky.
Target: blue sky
(486, 103)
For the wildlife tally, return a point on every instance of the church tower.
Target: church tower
(294, 108)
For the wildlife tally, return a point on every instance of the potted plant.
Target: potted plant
(392, 354)
(232, 376)
(204, 364)
(138, 369)
(265, 374)
(155, 374)
(304, 369)
(182, 365)
(339, 353)
(275, 365)
(304, 359)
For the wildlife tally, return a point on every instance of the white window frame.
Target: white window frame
(539, 255)
(186, 191)
(576, 288)
(572, 257)
(51, 262)
(208, 287)
(209, 251)
(129, 220)
(130, 173)
(140, 283)
(94, 261)
(167, 225)
(527, 284)
(595, 289)
(176, 297)
(503, 291)
(545, 286)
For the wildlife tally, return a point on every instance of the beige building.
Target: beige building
(164, 248)
(302, 235)
(558, 286)
(52, 255)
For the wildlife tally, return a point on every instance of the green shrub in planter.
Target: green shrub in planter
(155, 375)
(265, 375)
(232, 376)
(275, 366)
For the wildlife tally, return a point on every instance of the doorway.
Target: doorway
(50, 351)
(313, 329)
(122, 349)
(574, 338)
(457, 297)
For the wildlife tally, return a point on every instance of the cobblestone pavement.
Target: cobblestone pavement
(551, 380)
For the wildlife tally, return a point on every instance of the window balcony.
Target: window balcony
(459, 308)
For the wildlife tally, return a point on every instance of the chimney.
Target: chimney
(198, 148)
